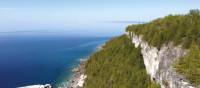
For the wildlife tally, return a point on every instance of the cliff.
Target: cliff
(170, 47)
(162, 53)
(159, 63)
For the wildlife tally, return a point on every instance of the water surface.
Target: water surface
(30, 60)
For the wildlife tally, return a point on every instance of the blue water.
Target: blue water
(29, 60)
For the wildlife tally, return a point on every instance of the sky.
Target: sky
(101, 16)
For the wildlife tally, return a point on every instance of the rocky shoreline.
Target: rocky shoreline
(79, 76)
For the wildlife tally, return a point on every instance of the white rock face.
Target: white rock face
(158, 63)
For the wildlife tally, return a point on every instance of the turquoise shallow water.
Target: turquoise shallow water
(30, 60)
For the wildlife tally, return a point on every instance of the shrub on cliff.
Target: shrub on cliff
(118, 65)
(181, 30)
(190, 64)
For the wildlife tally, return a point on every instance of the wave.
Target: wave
(37, 86)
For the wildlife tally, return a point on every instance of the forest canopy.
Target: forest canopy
(180, 30)
(118, 65)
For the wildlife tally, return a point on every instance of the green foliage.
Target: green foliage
(181, 30)
(190, 65)
(118, 65)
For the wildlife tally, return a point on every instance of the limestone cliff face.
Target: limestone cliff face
(158, 63)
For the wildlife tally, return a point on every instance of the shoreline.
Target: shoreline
(79, 76)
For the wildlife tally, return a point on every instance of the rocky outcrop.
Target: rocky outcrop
(159, 62)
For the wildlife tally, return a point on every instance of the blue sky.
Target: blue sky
(65, 15)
